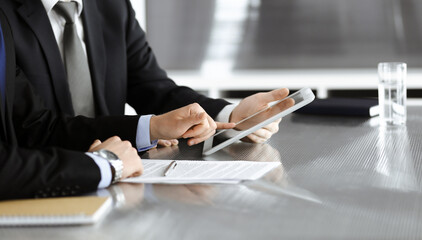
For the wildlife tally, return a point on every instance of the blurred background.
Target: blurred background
(233, 48)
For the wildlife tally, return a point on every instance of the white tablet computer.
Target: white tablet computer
(274, 111)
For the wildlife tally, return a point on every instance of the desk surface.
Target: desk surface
(341, 178)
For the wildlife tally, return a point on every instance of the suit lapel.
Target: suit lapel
(10, 71)
(33, 13)
(96, 53)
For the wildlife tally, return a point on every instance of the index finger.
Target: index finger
(94, 144)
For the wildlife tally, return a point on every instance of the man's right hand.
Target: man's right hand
(132, 164)
(190, 122)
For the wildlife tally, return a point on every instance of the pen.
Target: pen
(172, 165)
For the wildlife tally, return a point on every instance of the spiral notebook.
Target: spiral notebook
(54, 211)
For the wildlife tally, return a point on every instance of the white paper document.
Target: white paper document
(188, 171)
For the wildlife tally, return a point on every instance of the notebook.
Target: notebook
(197, 171)
(54, 211)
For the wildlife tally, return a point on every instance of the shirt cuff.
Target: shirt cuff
(143, 139)
(105, 169)
(224, 115)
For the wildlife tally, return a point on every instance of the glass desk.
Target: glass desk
(341, 178)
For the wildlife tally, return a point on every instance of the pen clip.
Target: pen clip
(172, 166)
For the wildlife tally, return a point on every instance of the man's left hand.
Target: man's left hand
(253, 104)
(167, 143)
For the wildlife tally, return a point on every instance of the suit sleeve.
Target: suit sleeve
(42, 152)
(50, 172)
(36, 126)
(48, 159)
(149, 88)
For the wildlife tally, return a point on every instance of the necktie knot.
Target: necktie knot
(67, 10)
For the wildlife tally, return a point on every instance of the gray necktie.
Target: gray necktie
(76, 63)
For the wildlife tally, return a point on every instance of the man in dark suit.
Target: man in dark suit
(44, 154)
(122, 66)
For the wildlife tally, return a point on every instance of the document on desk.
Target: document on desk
(197, 171)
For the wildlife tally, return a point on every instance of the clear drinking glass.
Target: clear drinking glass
(392, 93)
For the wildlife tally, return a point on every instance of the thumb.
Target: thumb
(275, 95)
(94, 144)
(221, 125)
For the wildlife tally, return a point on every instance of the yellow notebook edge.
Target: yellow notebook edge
(74, 219)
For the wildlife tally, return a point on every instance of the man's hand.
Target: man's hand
(263, 134)
(167, 143)
(187, 122)
(253, 104)
(132, 164)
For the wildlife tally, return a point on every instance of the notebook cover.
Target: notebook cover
(53, 211)
(340, 106)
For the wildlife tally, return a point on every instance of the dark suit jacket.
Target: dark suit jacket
(123, 66)
(41, 152)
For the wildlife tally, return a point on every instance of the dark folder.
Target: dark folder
(342, 107)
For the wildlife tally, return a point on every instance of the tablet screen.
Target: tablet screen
(274, 111)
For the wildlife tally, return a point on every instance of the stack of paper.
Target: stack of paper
(187, 171)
